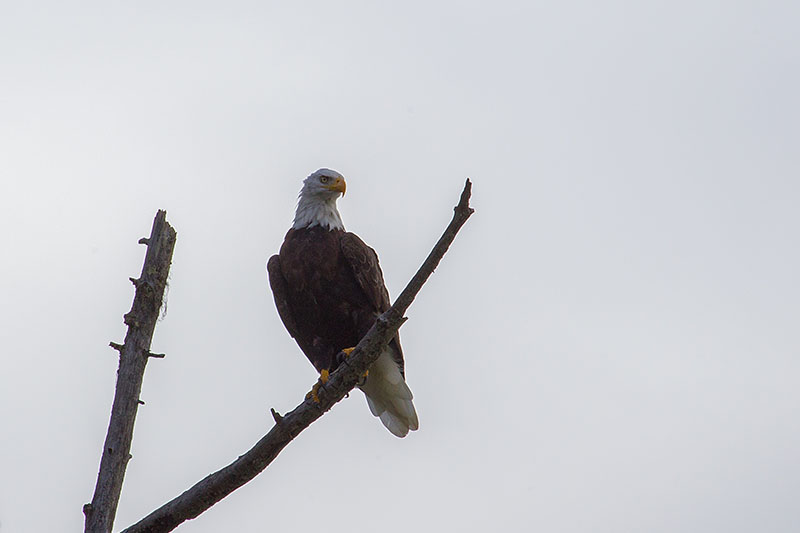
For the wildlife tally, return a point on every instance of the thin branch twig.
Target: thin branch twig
(133, 355)
(216, 486)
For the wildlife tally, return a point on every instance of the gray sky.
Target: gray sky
(611, 344)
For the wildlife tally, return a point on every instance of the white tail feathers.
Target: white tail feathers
(389, 397)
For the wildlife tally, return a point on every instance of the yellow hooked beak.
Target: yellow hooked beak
(338, 185)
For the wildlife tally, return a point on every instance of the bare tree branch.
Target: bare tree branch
(133, 356)
(216, 486)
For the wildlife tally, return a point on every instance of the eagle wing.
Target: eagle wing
(279, 291)
(363, 262)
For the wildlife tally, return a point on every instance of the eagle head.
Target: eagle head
(316, 205)
(324, 183)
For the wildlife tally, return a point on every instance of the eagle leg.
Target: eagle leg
(323, 379)
(346, 353)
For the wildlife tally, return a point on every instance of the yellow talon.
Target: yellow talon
(323, 379)
(314, 394)
(347, 352)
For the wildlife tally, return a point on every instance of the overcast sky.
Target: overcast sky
(611, 344)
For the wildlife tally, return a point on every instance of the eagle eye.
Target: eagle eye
(324, 179)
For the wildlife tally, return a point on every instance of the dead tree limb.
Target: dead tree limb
(133, 355)
(216, 486)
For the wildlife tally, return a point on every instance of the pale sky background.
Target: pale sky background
(611, 345)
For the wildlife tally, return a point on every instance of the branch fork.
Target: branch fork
(216, 486)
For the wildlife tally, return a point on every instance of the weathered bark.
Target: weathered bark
(133, 356)
(216, 486)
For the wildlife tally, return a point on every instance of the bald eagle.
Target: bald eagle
(329, 289)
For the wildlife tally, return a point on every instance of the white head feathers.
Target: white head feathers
(317, 202)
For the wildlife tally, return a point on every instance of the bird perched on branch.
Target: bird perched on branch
(329, 289)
